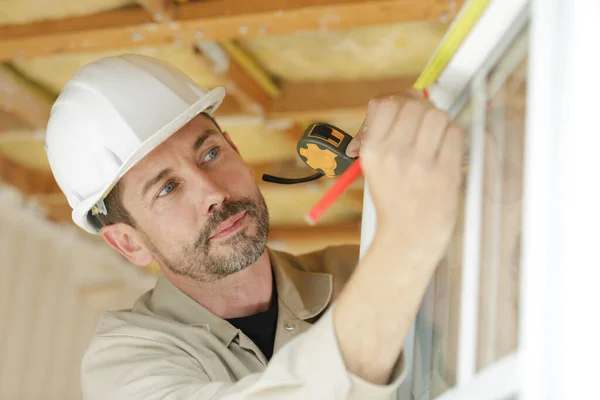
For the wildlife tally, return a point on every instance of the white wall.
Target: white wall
(53, 285)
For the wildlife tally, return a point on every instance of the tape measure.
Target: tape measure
(323, 148)
(454, 38)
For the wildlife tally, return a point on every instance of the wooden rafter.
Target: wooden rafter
(160, 10)
(29, 181)
(214, 20)
(23, 99)
(227, 60)
(231, 63)
(320, 100)
(310, 101)
(295, 131)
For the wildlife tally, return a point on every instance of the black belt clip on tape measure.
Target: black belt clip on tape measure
(323, 148)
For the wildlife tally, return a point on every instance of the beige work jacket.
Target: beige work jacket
(170, 347)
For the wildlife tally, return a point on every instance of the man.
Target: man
(132, 143)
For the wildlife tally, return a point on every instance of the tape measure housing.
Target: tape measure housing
(323, 148)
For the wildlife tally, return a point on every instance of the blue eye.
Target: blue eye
(211, 154)
(167, 189)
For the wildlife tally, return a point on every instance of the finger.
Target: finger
(416, 94)
(379, 125)
(431, 134)
(452, 147)
(407, 124)
(353, 148)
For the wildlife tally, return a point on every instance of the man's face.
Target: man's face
(196, 206)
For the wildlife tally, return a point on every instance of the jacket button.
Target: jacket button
(289, 326)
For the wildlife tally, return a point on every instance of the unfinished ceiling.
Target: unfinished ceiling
(284, 64)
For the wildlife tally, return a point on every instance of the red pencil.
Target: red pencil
(334, 192)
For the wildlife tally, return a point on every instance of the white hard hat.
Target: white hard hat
(111, 114)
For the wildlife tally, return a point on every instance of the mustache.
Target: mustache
(226, 211)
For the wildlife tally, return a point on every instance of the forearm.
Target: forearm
(378, 306)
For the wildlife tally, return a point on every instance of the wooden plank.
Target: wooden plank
(309, 101)
(251, 97)
(160, 10)
(214, 20)
(248, 93)
(10, 122)
(29, 181)
(295, 132)
(23, 99)
(320, 100)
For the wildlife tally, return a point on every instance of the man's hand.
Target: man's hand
(411, 156)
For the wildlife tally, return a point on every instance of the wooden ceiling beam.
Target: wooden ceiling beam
(29, 181)
(214, 20)
(313, 101)
(23, 99)
(160, 10)
(227, 60)
(309, 101)
(230, 62)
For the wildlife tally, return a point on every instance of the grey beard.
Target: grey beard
(197, 262)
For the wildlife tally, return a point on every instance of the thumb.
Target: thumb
(353, 148)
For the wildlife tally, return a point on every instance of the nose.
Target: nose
(208, 189)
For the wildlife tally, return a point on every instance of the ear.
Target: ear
(228, 138)
(124, 239)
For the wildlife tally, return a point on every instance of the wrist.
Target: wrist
(397, 253)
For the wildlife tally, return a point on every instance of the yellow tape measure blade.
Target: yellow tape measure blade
(458, 32)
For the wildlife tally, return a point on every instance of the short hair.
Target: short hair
(115, 209)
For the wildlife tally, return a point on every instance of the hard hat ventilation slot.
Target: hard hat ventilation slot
(114, 157)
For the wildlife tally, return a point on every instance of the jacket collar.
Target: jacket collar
(304, 293)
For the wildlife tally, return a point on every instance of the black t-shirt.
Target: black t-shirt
(260, 328)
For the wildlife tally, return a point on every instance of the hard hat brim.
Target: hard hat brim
(211, 101)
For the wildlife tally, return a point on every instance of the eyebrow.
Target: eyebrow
(202, 138)
(156, 179)
(167, 171)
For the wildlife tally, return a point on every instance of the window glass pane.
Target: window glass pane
(502, 195)
(438, 323)
(446, 289)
